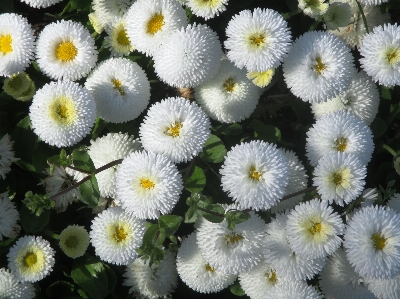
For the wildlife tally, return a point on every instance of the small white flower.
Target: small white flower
(384, 288)
(74, 240)
(40, 3)
(8, 218)
(206, 9)
(6, 155)
(289, 289)
(108, 10)
(337, 15)
(12, 288)
(373, 2)
(118, 41)
(394, 203)
(313, 8)
(31, 258)
(95, 22)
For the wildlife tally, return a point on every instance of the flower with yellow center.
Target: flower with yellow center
(6, 44)
(40, 3)
(313, 8)
(66, 51)
(319, 67)
(74, 240)
(118, 41)
(261, 79)
(206, 8)
(17, 84)
(31, 258)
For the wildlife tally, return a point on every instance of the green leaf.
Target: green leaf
(196, 180)
(98, 127)
(378, 127)
(81, 159)
(89, 191)
(91, 275)
(214, 150)
(60, 289)
(191, 215)
(150, 234)
(24, 140)
(236, 289)
(112, 278)
(264, 132)
(396, 163)
(169, 223)
(80, 5)
(385, 93)
(214, 212)
(236, 217)
(233, 129)
(61, 159)
(134, 58)
(161, 238)
(32, 223)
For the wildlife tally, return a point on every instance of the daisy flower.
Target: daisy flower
(17, 44)
(394, 203)
(372, 242)
(255, 174)
(150, 23)
(313, 229)
(229, 96)
(17, 84)
(258, 40)
(261, 79)
(40, 3)
(65, 50)
(337, 15)
(288, 289)
(148, 184)
(108, 10)
(373, 2)
(8, 218)
(381, 54)
(6, 155)
(175, 128)
(120, 88)
(361, 98)
(232, 251)
(318, 67)
(313, 8)
(118, 41)
(31, 258)
(189, 57)
(196, 272)
(62, 113)
(339, 280)
(107, 149)
(12, 288)
(281, 256)
(95, 22)
(340, 177)
(206, 9)
(348, 135)
(155, 281)
(384, 288)
(115, 236)
(74, 240)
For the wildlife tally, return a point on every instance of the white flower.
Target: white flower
(120, 88)
(62, 113)
(115, 236)
(339, 131)
(150, 23)
(108, 10)
(40, 3)
(107, 149)
(384, 288)
(255, 174)
(339, 177)
(394, 203)
(118, 41)
(148, 184)
(297, 181)
(361, 98)
(74, 240)
(339, 280)
(206, 9)
(189, 57)
(289, 289)
(261, 79)
(381, 54)
(31, 258)
(65, 50)
(373, 2)
(337, 15)
(229, 96)
(6, 155)
(175, 128)
(16, 44)
(318, 67)
(282, 258)
(372, 242)
(196, 272)
(12, 288)
(313, 229)
(258, 40)
(232, 251)
(17, 84)
(313, 8)
(151, 282)
(95, 22)
(8, 218)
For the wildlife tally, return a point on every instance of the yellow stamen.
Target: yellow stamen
(119, 234)
(316, 228)
(62, 110)
(174, 130)
(337, 178)
(341, 144)
(233, 238)
(393, 55)
(30, 259)
(71, 242)
(319, 66)
(155, 23)
(66, 51)
(122, 38)
(209, 268)
(118, 86)
(146, 184)
(379, 241)
(253, 174)
(229, 85)
(271, 276)
(257, 40)
(6, 44)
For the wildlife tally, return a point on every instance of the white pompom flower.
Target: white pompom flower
(319, 67)
(74, 240)
(175, 128)
(12, 288)
(313, 229)
(108, 10)
(206, 9)
(31, 258)
(151, 282)
(41, 3)
(394, 203)
(339, 131)
(381, 54)
(17, 44)
(6, 155)
(148, 184)
(372, 242)
(189, 57)
(255, 174)
(340, 177)
(117, 40)
(113, 146)
(257, 40)
(196, 273)
(8, 218)
(384, 288)
(115, 236)
(150, 23)
(289, 289)
(313, 8)
(337, 15)
(62, 113)
(65, 50)
(229, 96)
(373, 2)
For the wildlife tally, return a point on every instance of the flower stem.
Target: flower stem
(389, 149)
(298, 193)
(211, 212)
(363, 16)
(78, 169)
(288, 15)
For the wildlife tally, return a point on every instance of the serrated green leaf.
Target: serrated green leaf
(32, 223)
(236, 217)
(81, 160)
(191, 215)
(196, 180)
(150, 234)
(236, 289)
(169, 223)
(89, 191)
(212, 212)
(214, 150)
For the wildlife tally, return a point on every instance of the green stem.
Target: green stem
(78, 169)
(298, 193)
(363, 16)
(288, 15)
(223, 128)
(212, 213)
(389, 149)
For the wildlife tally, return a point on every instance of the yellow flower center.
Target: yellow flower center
(146, 184)
(393, 55)
(71, 242)
(379, 241)
(66, 51)
(319, 66)
(233, 238)
(315, 228)
(271, 276)
(257, 40)
(312, 3)
(122, 38)
(118, 86)
(155, 23)
(229, 85)
(341, 178)
(6, 44)
(30, 259)
(119, 234)
(174, 130)
(341, 144)
(209, 268)
(62, 110)
(254, 174)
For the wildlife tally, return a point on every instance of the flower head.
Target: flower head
(207, 9)
(118, 41)
(12, 288)
(74, 240)
(8, 218)
(40, 3)
(337, 15)
(17, 84)
(108, 10)
(294, 289)
(313, 8)
(6, 155)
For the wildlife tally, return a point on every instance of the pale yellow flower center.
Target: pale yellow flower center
(379, 241)
(271, 276)
(122, 38)
(341, 144)
(66, 51)
(254, 174)
(257, 40)
(62, 110)
(209, 268)
(233, 238)
(174, 129)
(229, 85)
(319, 66)
(120, 234)
(30, 259)
(118, 86)
(146, 184)
(315, 228)
(393, 55)
(155, 24)
(6, 44)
